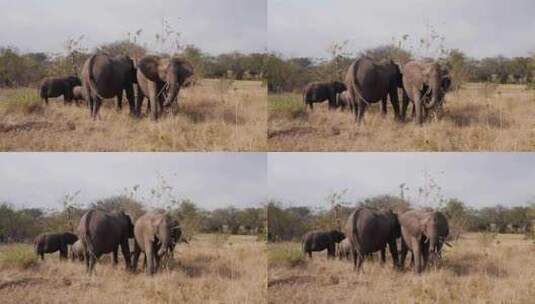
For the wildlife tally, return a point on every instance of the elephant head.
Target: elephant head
(435, 228)
(434, 83)
(339, 87)
(175, 72)
(70, 83)
(337, 236)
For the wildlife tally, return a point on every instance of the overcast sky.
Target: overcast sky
(213, 25)
(478, 179)
(479, 27)
(212, 180)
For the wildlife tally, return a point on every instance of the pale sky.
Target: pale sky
(479, 27)
(211, 180)
(478, 179)
(213, 25)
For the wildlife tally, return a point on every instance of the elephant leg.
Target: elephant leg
(62, 252)
(361, 108)
(331, 251)
(120, 100)
(383, 106)
(393, 247)
(137, 252)
(332, 102)
(403, 254)
(115, 258)
(383, 255)
(42, 256)
(131, 100)
(395, 103)
(46, 100)
(125, 249)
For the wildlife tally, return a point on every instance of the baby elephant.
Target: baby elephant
(78, 94)
(55, 87)
(321, 240)
(77, 251)
(321, 91)
(52, 242)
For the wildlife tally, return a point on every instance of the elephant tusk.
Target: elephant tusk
(448, 244)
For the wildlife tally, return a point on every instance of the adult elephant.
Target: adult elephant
(423, 232)
(370, 82)
(104, 76)
(102, 232)
(156, 76)
(52, 242)
(370, 230)
(425, 85)
(320, 91)
(321, 240)
(77, 251)
(55, 87)
(154, 234)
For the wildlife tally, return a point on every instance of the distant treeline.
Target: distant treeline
(27, 69)
(18, 225)
(291, 74)
(291, 223)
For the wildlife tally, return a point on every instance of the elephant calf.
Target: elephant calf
(52, 242)
(321, 91)
(55, 87)
(78, 94)
(321, 240)
(77, 251)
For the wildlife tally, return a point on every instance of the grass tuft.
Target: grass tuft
(19, 256)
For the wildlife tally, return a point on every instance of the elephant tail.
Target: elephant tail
(86, 236)
(354, 238)
(92, 82)
(354, 85)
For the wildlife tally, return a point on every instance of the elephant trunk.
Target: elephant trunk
(165, 239)
(173, 92)
(435, 91)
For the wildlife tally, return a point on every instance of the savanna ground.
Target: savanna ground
(478, 117)
(215, 115)
(211, 269)
(480, 268)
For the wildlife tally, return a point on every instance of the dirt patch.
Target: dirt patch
(24, 127)
(292, 280)
(293, 131)
(23, 282)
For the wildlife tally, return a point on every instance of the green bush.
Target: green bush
(19, 256)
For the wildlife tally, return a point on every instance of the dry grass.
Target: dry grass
(473, 271)
(480, 117)
(205, 271)
(216, 115)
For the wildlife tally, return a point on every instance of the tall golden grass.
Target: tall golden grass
(208, 270)
(479, 117)
(216, 115)
(473, 271)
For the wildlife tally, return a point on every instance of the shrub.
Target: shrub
(286, 254)
(19, 256)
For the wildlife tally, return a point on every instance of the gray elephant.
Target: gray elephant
(154, 234)
(425, 84)
(52, 242)
(78, 94)
(157, 76)
(423, 232)
(104, 76)
(370, 82)
(370, 230)
(321, 240)
(344, 249)
(77, 251)
(316, 92)
(55, 87)
(102, 232)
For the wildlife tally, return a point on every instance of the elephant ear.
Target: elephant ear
(150, 67)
